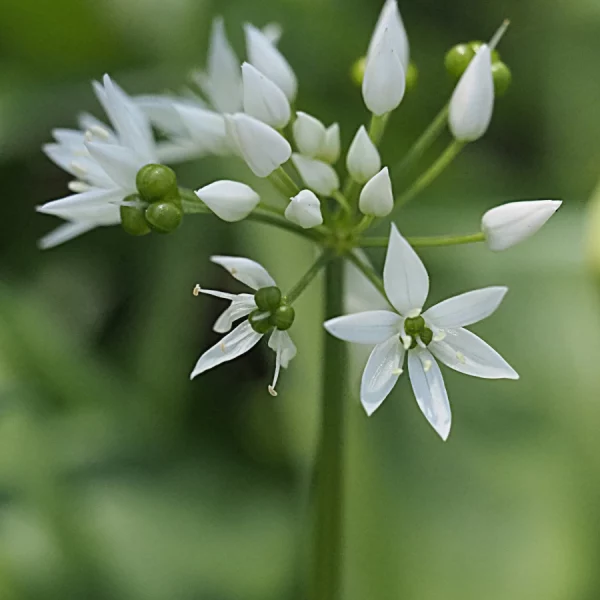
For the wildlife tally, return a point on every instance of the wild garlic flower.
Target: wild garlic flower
(439, 332)
(267, 312)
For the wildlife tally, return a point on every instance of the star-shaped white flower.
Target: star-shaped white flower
(436, 333)
(244, 337)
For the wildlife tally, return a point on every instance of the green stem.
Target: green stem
(368, 272)
(327, 574)
(427, 178)
(342, 201)
(307, 278)
(288, 182)
(423, 143)
(377, 128)
(425, 242)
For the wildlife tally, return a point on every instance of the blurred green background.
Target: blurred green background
(120, 479)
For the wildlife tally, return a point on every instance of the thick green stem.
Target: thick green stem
(307, 278)
(425, 242)
(377, 128)
(328, 550)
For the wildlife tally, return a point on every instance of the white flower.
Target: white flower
(263, 148)
(376, 198)
(390, 20)
(309, 134)
(263, 99)
(243, 338)
(363, 159)
(509, 224)
(263, 54)
(317, 175)
(331, 149)
(229, 200)
(384, 82)
(104, 162)
(439, 332)
(304, 210)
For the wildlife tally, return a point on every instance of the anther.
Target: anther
(99, 132)
(78, 169)
(397, 372)
(427, 366)
(272, 391)
(197, 289)
(222, 347)
(498, 35)
(407, 342)
(78, 186)
(461, 358)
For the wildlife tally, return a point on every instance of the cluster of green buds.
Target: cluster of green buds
(357, 73)
(273, 311)
(415, 327)
(157, 205)
(458, 58)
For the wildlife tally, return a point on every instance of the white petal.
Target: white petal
(263, 99)
(371, 327)
(309, 134)
(120, 163)
(391, 20)
(363, 160)
(429, 389)
(384, 82)
(263, 148)
(88, 122)
(245, 270)
(72, 206)
(466, 353)
(79, 164)
(242, 339)
(270, 62)
(508, 224)
(466, 309)
(360, 293)
(381, 373)
(241, 306)
(317, 175)
(162, 111)
(206, 128)
(273, 32)
(72, 138)
(229, 200)
(63, 233)
(283, 346)
(404, 276)
(332, 145)
(377, 197)
(304, 210)
(472, 102)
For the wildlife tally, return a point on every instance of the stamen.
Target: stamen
(440, 336)
(461, 358)
(78, 169)
(78, 186)
(233, 272)
(407, 341)
(498, 35)
(427, 366)
(222, 347)
(271, 388)
(272, 391)
(414, 313)
(197, 290)
(99, 132)
(89, 136)
(397, 371)
(224, 295)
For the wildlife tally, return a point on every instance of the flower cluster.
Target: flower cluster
(246, 109)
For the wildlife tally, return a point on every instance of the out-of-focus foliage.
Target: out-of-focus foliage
(121, 479)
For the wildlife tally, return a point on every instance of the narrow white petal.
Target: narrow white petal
(229, 200)
(507, 225)
(120, 163)
(377, 197)
(472, 102)
(371, 327)
(309, 134)
(317, 175)
(391, 20)
(63, 233)
(68, 207)
(273, 32)
(404, 275)
(206, 128)
(304, 210)
(263, 99)
(72, 138)
(241, 306)
(78, 163)
(245, 270)
(263, 54)
(242, 339)
(466, 309)
(381, 373)
(360, 293)
(363, 160)
(88, 122)
(283, 346)
(429, 389)
(162, 111)
(467, 353)
(332, 145)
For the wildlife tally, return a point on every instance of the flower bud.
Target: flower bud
(390, 21)
(304, 210)
(363, 159)
(229, 200)
(133, 220)
(412, 77)
(377, 198)
(507, 225)
(156, 182)
(357, 73)
(458, 59)
(502, 78)
(164, 217)
(263, 99)
(309, 134)
(268, 298)
(283, 317)
(331, 150)
(263, 148)
(317, 175)
(260, 321)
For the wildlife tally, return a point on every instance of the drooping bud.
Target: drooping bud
(507, 225)
(260, 321)
(263, 148)
(133, 220)
(156, 182)
(164, 217)
(263, 99)
(283, 317)
(331, 150)
(304, 210)
(363, 160)
(309, 134)
(229, 200)
(268, 298)
(317, 175)
(377, 198)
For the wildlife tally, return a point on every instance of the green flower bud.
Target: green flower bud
(268, 299)
(133, 220)
(357, 72)
(502, 78)
(283, 317)
(412, 77)
(156, 182)
(260, 322)
(414, 325)
(457, 59)
(475, 45)
(426, 336)
(164, 217)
